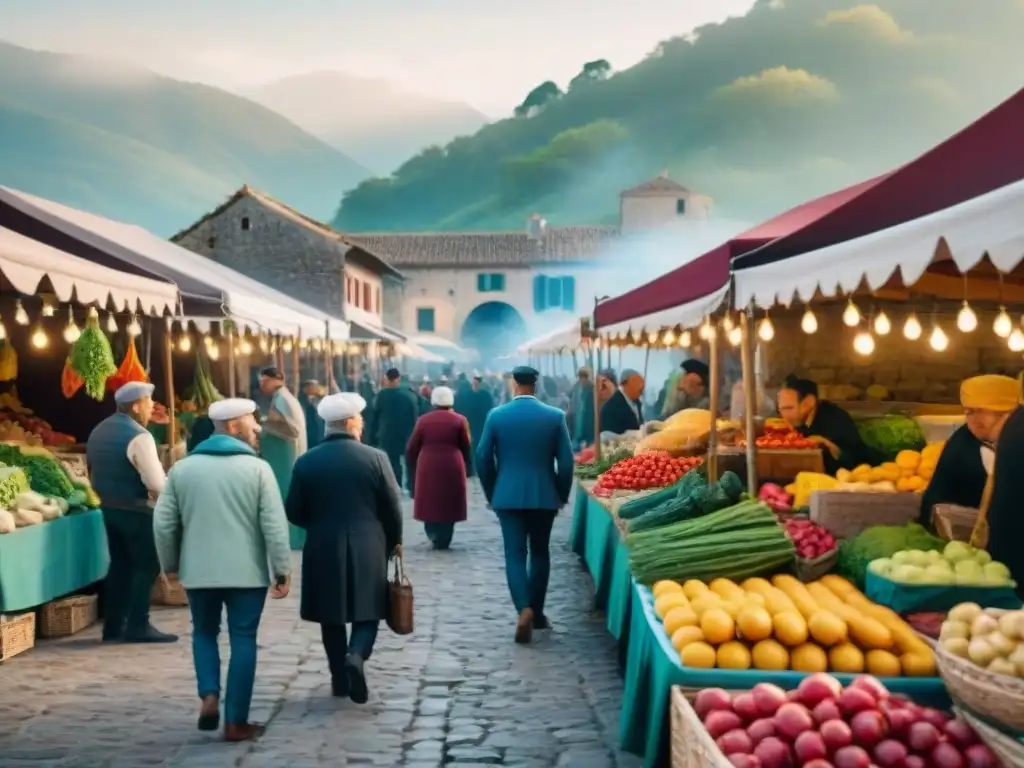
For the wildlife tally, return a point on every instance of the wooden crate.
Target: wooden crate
(168, 591)
(68, 615)
(846, 513)
(692, 745)
(783, 465)
(17, 634)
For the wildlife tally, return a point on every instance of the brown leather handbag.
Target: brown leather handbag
(400, 600)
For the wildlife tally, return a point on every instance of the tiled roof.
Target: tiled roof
(477, 249)
(661, 185)
(375, 259)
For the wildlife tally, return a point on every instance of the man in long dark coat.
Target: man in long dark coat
(345, 557)
(308, 398)
(394, 418)
(479, 403)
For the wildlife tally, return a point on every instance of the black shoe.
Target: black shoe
(540, 621)
(356, 679)
(150, 635)
(113, 634)
(339, 686)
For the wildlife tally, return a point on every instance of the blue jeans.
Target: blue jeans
(337, 643)
(527, 531)
(245, 608)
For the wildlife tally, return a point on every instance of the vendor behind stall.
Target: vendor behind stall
(823, 422)
(968, 456)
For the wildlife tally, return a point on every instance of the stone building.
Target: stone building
(661, 202)
(267, 240)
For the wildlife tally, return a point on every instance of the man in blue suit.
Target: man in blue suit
(525, 462)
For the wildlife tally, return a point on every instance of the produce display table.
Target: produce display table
(40, 563)
(652, 664)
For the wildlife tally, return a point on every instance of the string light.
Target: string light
(912, 328)
(208, 341)
(1002, 325)
(245, 348)
(111, 323)
(966, 320)
(48, 309)
(809, 323)
(287, 345)
(727, 323)
(71, 330)
(706, 330)
(264, 347)
(652, 337)
(184, 343)
(766, 331)
(735, 335)
(882, 324)
(3, 330)
(214, 352)
(851, 315)
(864, 343)
(670, 338)
(20, 315)
(134, 329)
(938, 341)
(1016, 340)
(39, 338)
(686, 339)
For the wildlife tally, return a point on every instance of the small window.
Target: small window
(358, 293)
(490, 282)
(376, 307)
(425, 319)
(554, 293)
(211, 242)
(245, 223)
(680, 206)
(367, 297)
(348, 289)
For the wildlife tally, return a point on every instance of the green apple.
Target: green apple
(939, 574)
(908, 574)
(996, 573)
(881, 567)
(981, 557)
(956, 551)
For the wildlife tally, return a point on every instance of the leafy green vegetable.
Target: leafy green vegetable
(881, 541)
(45, 475)
(888, 435)
(694, 499)
(92, 359)
(13, 483)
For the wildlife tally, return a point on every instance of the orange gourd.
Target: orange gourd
(130, 370)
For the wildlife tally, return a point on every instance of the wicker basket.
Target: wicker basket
(812, 570)
(67, 616)
(846, 513)
(1009, 751)
(17, 634)
(692, 745)
(997, 698)
(954, 523)
(168, 591)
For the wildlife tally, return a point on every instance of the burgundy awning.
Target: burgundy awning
(708, 273)
(984, 156)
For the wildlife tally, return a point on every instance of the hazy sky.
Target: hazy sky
(486, 52)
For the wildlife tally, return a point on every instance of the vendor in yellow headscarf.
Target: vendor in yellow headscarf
(967, 459)
(1000, 526)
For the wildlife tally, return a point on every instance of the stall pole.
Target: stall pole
(716, 393)
(328, 354)
(595, 357)
(232, 375)
(750, 398)
(620, 359)
(647, 359)
(279, 355)
(296, 368)
(172, 427)
(576, 363)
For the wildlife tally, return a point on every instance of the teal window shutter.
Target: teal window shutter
(540, 293)
(569, 293)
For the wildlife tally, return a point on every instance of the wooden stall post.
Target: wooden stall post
(595, 359)
(647, 359)
(750, 390)
(716, 393)
(172, 427)
(328, 356)
(296, 367)
(232, 375)
(279, 354)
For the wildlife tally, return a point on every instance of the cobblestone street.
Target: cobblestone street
(457, 691)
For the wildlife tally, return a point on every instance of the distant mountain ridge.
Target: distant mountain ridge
(374, 121)
(128, 143)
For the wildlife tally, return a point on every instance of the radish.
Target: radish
(809, 746)
(945, 755)
(980, 756)
(817, 688)
(745, 706)
(792, 719)
(872, 685)
(768, 698)
(759, 730)
(869, 727)
(819, 764)
(960, 734)
(720, 722)
(890, 754)
(825, 711)
(914, 761)
(745, 761)
(936, 717)
(851, 757)
(922, 737)
(854, 700)
(836, 735)
(774, 753)
(900, 719)
(711, 699)
(736, 742)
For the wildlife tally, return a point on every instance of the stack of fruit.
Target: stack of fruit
(784, 439)
(824, 725)
(959, 563)
(990, 638)
(646, 470)
(783, 624)
(910, 472)
(811, 540)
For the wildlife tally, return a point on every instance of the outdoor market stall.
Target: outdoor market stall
(53, 541)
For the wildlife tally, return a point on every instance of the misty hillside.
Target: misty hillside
(129, 144)
(762, 112)
(377, 123)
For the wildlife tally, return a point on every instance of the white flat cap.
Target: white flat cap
(230, 408)
(341, 406)
(132, 391)
(442, 397)
(477, 374)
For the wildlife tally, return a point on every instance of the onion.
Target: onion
(872, 685)
(711, 699)
(960, 733)
(869, 727)
(854, 700)
(922, 737)
(900, 721)
(851, 757)
(836, 734)
(914, 761)
(759, 730)
(980, 756)
(936, 717)
(720, 723)
(945, 755)
(736, 742)
(792, 719)
(817, 688)
(768, 698)
(819, 764)
(890, 754)
(809, 746)
(825, 711)
(745, 761)
(773, 753)
(745, 706)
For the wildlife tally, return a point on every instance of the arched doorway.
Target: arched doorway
(494, 329)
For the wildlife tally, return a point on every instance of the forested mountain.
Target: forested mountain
(761, 112)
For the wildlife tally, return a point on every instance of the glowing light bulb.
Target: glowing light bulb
(246, 348)
(264, 347)
(766, 331)
(134, 329)
(3, 331)
(214, 352)
(670, 338)
(966, 320)
(39, 338)
(735, 336)
(20, 315)
(207, 340)
(706, 331)
(864, 343)
(185, 343)
(287, 345)
(938, 341)
(1002, 325)
(111, 323)
(882, 324)
(1016, 340)
(71, 332)
(912, 328)
(809, 323)
(652, 337)
(685, 339)
(48, 309)
(851, 315)
(727, 323)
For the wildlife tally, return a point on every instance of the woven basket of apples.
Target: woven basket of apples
(821, 724)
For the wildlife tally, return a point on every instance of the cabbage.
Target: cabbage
(890, 434)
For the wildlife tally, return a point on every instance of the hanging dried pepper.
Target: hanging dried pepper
(70, 382)
(92, 359)
(130, 370)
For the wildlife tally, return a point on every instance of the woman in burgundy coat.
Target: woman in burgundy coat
(438, 457)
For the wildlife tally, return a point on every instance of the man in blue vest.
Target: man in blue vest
(525, 462)
(126, 473)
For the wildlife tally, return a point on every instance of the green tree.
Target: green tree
(538, 98)
(593, 72)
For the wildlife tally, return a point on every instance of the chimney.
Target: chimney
(535, 227)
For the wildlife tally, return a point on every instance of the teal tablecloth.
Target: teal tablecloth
(40, 563)
(652, 665)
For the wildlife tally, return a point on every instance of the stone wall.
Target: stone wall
(275, 251)
(912, 370)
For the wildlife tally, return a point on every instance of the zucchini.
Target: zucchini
(643, 504)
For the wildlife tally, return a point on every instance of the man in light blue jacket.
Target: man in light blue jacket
(218, 522)
(525, 465)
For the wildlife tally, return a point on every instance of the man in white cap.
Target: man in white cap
(345, 495)
(127, 475)
(218, 523)
(285, 437)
